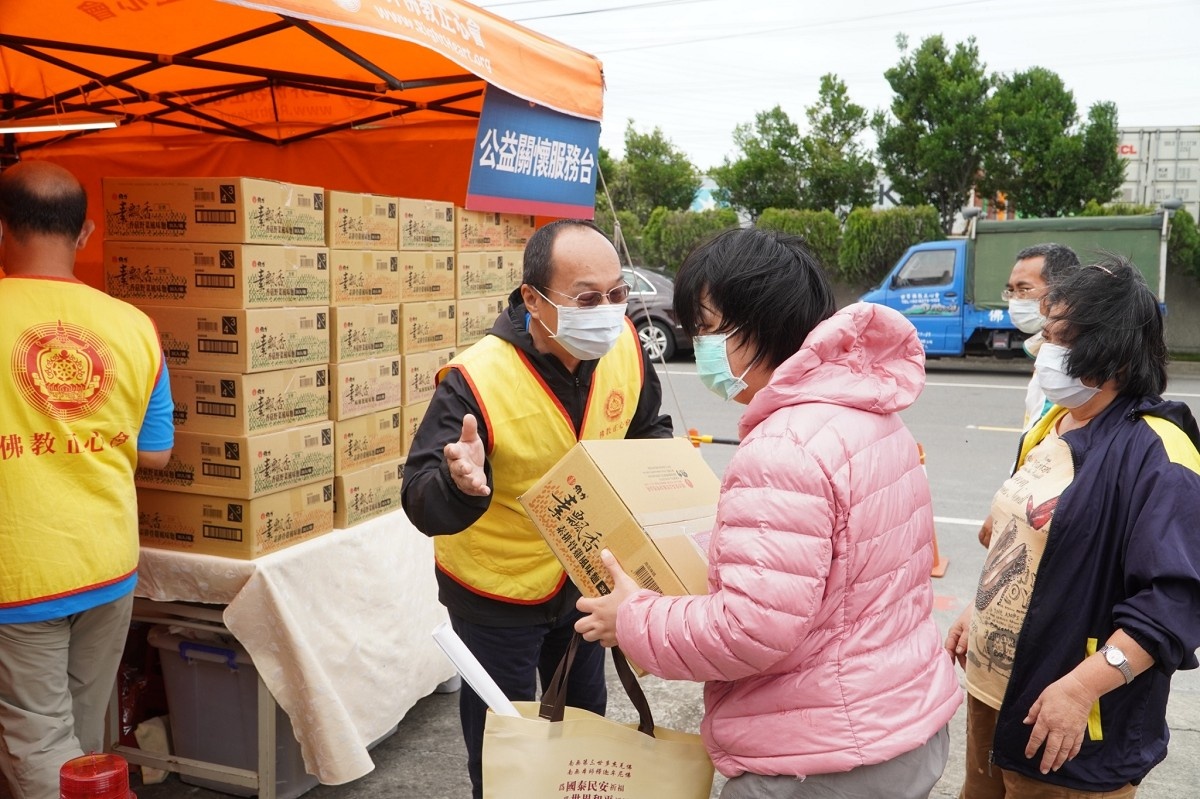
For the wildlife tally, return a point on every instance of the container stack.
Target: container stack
(235, 274)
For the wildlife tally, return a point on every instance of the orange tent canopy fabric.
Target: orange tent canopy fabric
(362, 95)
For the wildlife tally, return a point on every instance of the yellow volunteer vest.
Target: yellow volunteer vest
(80, 368)
(502, 555)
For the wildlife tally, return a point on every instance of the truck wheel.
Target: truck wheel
(657, 341)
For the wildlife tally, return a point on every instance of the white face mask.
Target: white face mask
(1026, 315)
(587, 333)
(1058, 386)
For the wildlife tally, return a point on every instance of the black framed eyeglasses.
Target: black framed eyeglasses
(590, 299)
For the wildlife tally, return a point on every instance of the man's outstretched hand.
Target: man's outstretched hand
(465, 459)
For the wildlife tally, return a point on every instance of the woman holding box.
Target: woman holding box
(823, 666)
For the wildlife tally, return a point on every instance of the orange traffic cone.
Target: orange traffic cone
(940, 564)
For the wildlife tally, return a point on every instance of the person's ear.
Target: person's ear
(89, 227)
(531, 299)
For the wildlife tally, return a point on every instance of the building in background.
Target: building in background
(1161, 163)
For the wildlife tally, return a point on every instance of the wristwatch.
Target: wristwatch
(1116, 658)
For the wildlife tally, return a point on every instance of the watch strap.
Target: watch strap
(1122, 665)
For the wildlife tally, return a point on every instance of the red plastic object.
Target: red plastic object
(95, 776)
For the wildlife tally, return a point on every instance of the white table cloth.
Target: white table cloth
(338, 628)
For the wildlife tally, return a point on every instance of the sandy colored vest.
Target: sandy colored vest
(502, 555)
(81, 368)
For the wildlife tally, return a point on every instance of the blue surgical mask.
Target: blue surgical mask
(712, 365)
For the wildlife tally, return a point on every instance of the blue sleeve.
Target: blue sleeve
(158, 427)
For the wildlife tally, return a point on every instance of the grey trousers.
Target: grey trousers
(56, 678)
(912, 775)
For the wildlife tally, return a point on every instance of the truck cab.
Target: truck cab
(934, 286)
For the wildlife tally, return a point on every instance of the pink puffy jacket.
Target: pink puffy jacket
(816, 639)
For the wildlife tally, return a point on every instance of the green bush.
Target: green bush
(874, 240)
(1183, 244)
(669, 236)
(821, 230)
(1094, 208)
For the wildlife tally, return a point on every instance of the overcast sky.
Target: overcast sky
(697, 68)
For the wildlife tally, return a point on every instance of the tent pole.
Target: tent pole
(333, 44)
(152, 63)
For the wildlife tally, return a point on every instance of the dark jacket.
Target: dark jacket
(1123, 552)
(436, 506)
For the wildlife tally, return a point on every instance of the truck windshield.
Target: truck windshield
(926, 268)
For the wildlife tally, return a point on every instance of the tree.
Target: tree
(836, 171)
(1046, 163)
(1100, 160)
(767, 173)
(653, 173)
(942, 124)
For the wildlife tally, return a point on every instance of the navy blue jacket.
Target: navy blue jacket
(1123, 552)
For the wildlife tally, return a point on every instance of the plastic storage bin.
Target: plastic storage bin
(213, 702)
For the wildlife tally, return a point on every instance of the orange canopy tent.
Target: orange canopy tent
(378, 96)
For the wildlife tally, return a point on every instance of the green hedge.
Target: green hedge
(873, 241)
(821, 230)
(669, 236)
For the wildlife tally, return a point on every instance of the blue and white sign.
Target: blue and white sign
(529, 159)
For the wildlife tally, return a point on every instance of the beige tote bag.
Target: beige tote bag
(558, 752)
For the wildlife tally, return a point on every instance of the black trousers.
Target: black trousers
(516, 657)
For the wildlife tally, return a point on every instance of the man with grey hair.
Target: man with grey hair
(1036, 268)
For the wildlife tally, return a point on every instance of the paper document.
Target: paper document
(472, 671)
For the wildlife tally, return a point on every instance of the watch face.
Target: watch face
(1114, 657)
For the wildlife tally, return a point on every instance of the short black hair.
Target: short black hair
(537, 267)
(28, 209)
(764, 282)
(1059, 259)
(1113, 325)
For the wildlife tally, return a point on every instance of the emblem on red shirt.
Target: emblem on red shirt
(63, 370)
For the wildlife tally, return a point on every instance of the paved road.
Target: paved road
(966, 420)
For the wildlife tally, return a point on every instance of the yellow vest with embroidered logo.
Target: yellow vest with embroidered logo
(79, 370)
(502, 555)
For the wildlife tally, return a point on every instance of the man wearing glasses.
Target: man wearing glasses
(1036, 268)
(561, 364)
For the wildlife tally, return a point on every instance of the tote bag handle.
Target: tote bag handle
(554, 697)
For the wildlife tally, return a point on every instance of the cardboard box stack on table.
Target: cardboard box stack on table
(235, 274)
(489, 249)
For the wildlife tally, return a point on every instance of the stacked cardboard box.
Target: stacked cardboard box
(488, 248)
(371, 279)
(235, 274)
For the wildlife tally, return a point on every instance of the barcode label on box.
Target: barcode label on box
(209, 451)
(306, 382)
(224, 409)
(215, 282)
(204, 196)
(645, 580)
(305, 324)
(221, 533)
(310, 441)
(205, 326)
(212, 513)
(206, 388)
(218, 347)
(222, 470)
(215, 217)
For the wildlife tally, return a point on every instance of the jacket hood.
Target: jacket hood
(865, 356)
